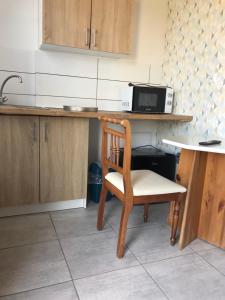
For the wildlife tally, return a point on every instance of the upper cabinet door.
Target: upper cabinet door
(67, 23)
(111, 25)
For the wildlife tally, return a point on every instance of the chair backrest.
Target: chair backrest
(114, 133)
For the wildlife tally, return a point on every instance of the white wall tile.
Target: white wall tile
(27, 100)
(123, 70)
(109, 105)
(143, 138)
(60, 101)
(13, 85)
(110, 90)
(66, 86)
(66, 64)
(140, 126)
(17, 60)
(156, 74)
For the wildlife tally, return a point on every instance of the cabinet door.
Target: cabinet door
(111, 25)
(63, 158)
(19, 160)
(67, 23)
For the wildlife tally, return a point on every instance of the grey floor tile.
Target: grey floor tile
(157, 214)
(152, 243)
(76, 222)
(188, 278)
(94, 254)
(199, 245)
(29, 267)
(22, 230)
(63, 291)
(215, 257)
(132, 284)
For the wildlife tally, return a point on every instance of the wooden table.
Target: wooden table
(202, 171)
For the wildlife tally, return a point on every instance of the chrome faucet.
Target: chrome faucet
(3, 99)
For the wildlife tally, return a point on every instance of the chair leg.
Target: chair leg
(146, 212)
(123, 229)
(101, 207)
(175, 220)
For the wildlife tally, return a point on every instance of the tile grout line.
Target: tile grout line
(71, 76)
(156, 283)
(107, 272)
(97, 82)
(64, 257)
(36, 289)
(138, 265)
(142, 265)
(150, 262)
(29, 244)
(199, 255)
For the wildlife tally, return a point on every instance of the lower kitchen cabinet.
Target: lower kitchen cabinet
(19, 160)
(63, 158)
(42, 159)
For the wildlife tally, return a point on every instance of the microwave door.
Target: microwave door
(149, 100)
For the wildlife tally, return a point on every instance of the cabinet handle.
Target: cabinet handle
(34, 132)
(87, 41)
(94, 32)
(46, 132)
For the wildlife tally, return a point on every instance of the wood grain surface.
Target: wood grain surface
(67, 23)
(192, 208)
(212, 219)
(63, 158)
(59, 112)
(19, 160)
(111, 25)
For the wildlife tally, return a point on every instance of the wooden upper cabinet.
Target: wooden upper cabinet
(67, 23)
(111, 25)
(100, 25)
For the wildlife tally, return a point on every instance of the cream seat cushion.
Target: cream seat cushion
(146, 182)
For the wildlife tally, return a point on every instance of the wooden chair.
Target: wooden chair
(132, 187)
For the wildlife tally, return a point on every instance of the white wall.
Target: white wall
(58, 78)
(194, 65)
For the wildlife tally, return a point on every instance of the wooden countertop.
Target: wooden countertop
(59, 112)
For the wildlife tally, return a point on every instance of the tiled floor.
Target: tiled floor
(61, 255)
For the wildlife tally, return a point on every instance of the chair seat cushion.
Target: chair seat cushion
(145, 183)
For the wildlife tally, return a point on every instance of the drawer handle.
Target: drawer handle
(87, 40)
(46, 132)
(94, 32)
(34, 132)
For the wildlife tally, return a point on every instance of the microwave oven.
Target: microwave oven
(147, 99)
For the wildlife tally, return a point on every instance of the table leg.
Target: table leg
(192, 208)
(212, 218)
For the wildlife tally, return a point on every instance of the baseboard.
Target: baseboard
(40, 208)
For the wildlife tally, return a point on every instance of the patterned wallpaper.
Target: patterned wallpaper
(194, 65)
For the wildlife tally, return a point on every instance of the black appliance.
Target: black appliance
(149, 158)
